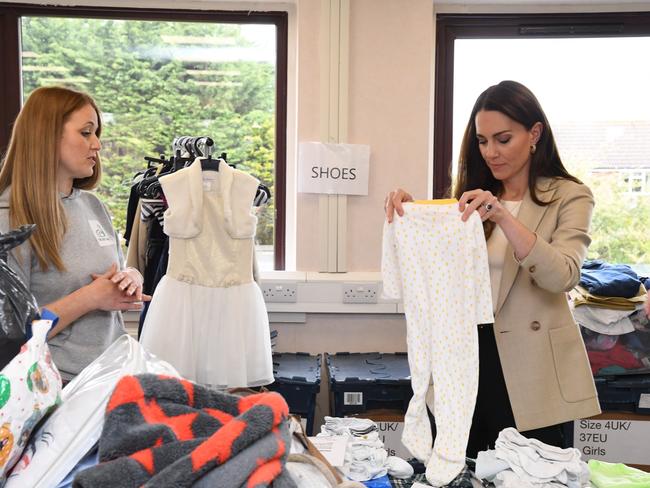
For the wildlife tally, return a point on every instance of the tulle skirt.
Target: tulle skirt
(215, 336)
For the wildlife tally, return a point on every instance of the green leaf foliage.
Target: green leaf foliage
(154, 81)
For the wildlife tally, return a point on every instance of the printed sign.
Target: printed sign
(333, 168)
(614, 441)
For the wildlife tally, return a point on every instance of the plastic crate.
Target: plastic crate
(297, 379)
(366, 381)
(630, 393)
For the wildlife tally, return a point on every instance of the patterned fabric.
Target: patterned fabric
(152, 208)
(418, 478)
(262, 196)
(463, 480)
(30, 385)
(161, 432)
(438, 265)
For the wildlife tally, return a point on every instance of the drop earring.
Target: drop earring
(533, 148)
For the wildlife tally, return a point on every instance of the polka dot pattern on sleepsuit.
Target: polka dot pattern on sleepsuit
(437, 264)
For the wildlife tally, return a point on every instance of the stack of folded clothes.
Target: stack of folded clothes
(608, 306)
(519, 462)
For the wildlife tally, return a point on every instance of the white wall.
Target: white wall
(389, 87)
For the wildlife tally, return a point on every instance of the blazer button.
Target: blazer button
(535, 325)
(532, 269)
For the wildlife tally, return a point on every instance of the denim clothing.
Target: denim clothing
(609, 280)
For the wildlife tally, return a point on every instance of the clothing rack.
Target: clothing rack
(197, 146)
(186, 149)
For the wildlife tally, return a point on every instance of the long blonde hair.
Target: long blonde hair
(31, 166)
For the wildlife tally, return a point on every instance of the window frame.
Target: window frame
(11, 89)
(450, 27)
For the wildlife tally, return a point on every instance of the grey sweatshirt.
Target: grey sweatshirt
(90, 245)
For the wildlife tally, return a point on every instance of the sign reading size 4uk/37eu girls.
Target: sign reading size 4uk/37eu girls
(333, 168)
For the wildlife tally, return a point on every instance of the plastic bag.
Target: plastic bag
(17, 305)
(30, 385)
(75, 427)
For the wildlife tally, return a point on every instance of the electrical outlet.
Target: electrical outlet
(360, 292)
(279, 292)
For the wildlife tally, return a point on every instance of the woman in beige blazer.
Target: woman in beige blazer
(534, 372)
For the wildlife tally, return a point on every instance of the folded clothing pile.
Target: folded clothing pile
(365, 455)
(518, 462)
(161, 431)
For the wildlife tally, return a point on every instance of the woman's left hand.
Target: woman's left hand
(130, 281)
(484, 202)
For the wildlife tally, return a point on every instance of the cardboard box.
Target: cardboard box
(615, 437)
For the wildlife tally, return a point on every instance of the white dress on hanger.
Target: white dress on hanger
(207, 317)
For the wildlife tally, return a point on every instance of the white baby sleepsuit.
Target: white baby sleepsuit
(438, 265)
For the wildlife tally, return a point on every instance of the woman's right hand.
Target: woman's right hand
(393, 203)
(107, 295)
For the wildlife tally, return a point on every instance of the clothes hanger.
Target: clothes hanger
(202, 146)
(209, 164)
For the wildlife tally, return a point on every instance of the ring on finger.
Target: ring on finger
(488, 206)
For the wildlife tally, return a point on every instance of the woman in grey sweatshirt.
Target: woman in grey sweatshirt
(73, 263)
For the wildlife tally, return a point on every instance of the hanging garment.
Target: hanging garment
(207, 317)
(438, 265)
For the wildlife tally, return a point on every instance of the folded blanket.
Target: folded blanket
(166, 432)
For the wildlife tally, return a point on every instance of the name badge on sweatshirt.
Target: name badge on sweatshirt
(103, 238)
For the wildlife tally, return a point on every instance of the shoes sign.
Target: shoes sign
(335, 169)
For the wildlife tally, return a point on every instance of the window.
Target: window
(586, 74)
(157, 75)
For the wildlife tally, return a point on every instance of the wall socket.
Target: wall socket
(279, 292)
(360, 292)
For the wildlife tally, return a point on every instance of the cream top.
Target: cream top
(211, 225)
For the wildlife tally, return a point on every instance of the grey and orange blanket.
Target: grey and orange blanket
(162, 432)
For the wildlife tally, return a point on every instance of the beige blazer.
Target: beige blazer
(544, 360)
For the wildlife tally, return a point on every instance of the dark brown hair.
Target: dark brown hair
(518, 103)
